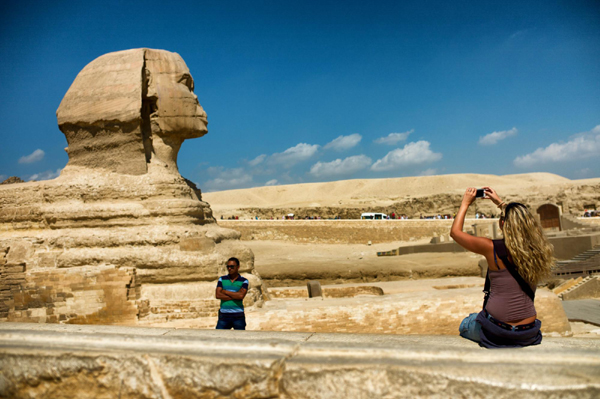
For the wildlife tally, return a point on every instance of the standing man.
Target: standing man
(231, 290)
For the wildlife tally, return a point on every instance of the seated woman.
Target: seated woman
(515, 266)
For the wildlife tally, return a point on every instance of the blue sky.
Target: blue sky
(320, 91)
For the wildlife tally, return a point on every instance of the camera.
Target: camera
(480, 193)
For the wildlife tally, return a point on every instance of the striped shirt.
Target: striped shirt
(234, 305)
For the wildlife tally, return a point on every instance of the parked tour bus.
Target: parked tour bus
(373, 215)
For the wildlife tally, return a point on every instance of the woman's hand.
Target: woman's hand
(479, 245)
(491, 194)
(469, 196)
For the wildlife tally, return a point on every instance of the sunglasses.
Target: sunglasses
(231, 266)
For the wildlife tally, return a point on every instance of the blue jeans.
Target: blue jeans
(470, 329)
(227, 322)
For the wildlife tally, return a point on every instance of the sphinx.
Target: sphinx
(120, 237)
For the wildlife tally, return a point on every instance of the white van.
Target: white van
(373, 216)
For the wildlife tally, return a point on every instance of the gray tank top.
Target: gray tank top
(508, 302)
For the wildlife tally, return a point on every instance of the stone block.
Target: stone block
(483, 230)
(47, 260)
(314, 289)
(12, 269)
(496, 231)
(483, 266)
(19, 252)
(586, 289)
(202, 244)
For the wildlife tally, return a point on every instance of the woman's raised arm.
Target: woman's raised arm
(479, 245)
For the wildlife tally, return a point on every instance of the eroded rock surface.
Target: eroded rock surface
(43, 361)
(120, 236)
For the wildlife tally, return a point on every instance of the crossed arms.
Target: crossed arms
(230, 295)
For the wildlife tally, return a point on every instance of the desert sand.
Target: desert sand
(410, 195)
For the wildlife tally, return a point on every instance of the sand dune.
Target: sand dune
(348, 193)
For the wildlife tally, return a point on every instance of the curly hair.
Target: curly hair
(527, 245)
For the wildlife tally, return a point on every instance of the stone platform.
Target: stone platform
(83, 361)
(585, 310)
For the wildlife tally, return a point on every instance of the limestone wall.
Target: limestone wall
(86, 277)
(595, 221)
(437, 312)
(567, 247)
(344, 231)
(49, 361)
(328, 292)
(92, 295)
(588, 288)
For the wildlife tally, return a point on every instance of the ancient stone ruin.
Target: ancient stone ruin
(12, 180)
(120, 237)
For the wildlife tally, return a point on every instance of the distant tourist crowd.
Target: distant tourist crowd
(368, 216)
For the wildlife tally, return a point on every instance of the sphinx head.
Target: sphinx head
(131, 110)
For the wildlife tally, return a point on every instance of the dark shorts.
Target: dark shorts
(477, 327)
(227, 321)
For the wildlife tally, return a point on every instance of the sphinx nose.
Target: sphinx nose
(200, 111)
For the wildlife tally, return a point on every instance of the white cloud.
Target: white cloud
(272, 182)
(340, 167)
(411, 154)
(228, 179)
(583, 145)
(47, 175)
(344, 142)
(35, 156)
(259, 159)
(494, 137)
(428, 172)
(291, 156)
(394, 138)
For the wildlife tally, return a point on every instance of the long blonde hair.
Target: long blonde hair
(527, 245)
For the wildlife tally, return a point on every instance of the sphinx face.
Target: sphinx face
(178, 113)
(130, 109)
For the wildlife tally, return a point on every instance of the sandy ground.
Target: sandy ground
(383, 191)
(282, 264)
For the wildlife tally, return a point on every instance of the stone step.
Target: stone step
(587, 254)
(198, 363)
(585, 263)
(587, 285)
(574, 287)
(566, 285)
